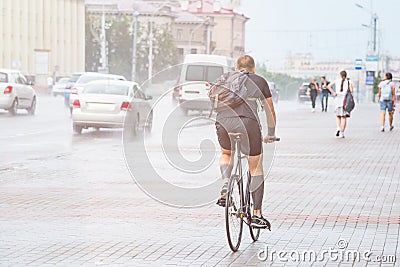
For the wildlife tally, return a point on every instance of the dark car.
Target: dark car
(302, 93)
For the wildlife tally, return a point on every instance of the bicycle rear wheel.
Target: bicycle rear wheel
(233, 213)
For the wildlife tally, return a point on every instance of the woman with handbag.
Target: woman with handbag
(342, 85)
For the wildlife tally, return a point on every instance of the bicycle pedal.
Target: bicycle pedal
(221, 202)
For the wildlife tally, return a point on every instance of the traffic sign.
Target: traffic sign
(358, 65)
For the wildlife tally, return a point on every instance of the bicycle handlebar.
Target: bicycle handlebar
(276, 139)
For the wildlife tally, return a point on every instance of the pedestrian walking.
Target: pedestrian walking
(324, 93)
(341, 84)
(312, 90)
(387, 100)
(50, 83)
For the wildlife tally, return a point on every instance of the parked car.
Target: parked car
(302, 93)
(198, 71)
(16, 92)
(274, 92)
(106, 103)
(71, 82)
(59, 87)
(89, 77)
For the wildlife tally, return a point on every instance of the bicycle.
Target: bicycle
(239, 206)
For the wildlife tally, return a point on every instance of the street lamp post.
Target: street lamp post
(150, 58)
(104, 60)
(134, 56)
(373, 28)
(150, 73)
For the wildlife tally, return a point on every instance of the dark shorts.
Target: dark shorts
(251, 141)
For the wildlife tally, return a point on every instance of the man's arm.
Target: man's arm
(271, 119)
(329, 87)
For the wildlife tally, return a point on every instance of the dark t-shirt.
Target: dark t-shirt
(313, 89)
(324, 88)
(258, 89)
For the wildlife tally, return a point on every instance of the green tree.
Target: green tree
(92, 48)
(286, 84)
(120, 45)
(165, 52)
(120, 39)
(377, 80)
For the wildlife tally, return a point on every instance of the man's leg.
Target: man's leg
(322, 102)
(226, 164)
(326, 102)
(257, 182)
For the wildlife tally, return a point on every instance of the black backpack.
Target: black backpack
(229, 91)
(348, 102)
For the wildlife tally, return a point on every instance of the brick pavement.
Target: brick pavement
(320, 190)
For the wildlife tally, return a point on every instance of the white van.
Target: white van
(198, 71)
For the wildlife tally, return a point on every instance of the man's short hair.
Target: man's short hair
(245, 62)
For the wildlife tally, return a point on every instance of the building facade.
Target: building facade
(198, 27)
(229, 30)
(43, 37)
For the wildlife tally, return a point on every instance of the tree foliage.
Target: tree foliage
(286, 84)
(120, 45)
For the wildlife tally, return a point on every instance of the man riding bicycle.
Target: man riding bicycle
(244, 119)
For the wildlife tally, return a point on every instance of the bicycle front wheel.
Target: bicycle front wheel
(233, 213)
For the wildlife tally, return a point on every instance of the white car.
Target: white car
(89, 77)
(59, 87)
(106, 103)
(16, 92)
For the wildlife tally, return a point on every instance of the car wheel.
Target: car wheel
(77, 128)
(149, 122)
(14, 108)
(32, 109)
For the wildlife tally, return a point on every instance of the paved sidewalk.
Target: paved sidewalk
(324, 195)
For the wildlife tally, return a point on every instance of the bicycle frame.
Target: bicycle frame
(244, 198)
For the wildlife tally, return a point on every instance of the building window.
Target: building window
(192, 35)
(179, 35)
(180, 51)
(193, 51)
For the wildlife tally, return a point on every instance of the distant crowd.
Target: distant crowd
(344, 102)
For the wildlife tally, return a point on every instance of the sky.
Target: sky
(329, 29)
